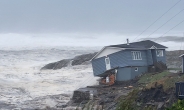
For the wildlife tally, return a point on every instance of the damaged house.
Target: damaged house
(126, 61)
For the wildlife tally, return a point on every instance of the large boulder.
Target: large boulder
(57, 65)
(78, 60)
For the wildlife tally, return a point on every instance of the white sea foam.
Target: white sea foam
(21, 79)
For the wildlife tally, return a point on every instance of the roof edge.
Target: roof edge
(98, 53)
(181, 55)
(102, 50)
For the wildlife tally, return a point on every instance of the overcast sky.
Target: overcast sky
(103, 17)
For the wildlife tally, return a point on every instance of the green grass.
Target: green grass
(163, 78)
(170, 82)
(174, 69)
(128, 102)
(149, 78)
(177, 106)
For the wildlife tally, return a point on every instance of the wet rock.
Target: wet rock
(157, 94)
(160, 105)
(150, 103)
(108, 100)
(78, 60)
(6, 106)
(138, 104)
(61, 105)
(111, 106)
(80, 95)
(57, 65)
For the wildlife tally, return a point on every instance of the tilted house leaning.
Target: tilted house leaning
(128, 60)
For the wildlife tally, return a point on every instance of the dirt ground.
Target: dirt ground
(104, 97)
(111, 97)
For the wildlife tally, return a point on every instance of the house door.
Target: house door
(107, 62)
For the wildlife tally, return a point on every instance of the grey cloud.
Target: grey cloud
(166, 39)
(52, 16)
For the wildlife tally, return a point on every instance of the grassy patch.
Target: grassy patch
(165, 78)
(149, 78)
(170, 81)
(130, 103)
(177, 106)
(174, 69)
(127, 103)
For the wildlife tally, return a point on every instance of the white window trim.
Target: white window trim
(133, 55)
(136, 68)
(153, 47)
(107, 60)
(162, 53)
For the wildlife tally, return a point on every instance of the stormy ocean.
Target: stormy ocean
(24, 85)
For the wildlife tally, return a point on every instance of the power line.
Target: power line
(173, 28)
(165, 22)
(157, 19)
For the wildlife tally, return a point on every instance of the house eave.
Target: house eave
(159, 48)
(103, 49)
(154, 47)
(181, 55)
(98, 53)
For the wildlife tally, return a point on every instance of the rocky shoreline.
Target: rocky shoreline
(78, 60)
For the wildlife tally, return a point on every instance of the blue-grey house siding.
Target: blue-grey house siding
(99, 66)
(154, 56)
(123, 74)
(140, 71)
(182, 56)
(158, 58)
(124, 58)
(119, 59)
(183, 64)
(127, 73)
(162, 58)
(149, 57)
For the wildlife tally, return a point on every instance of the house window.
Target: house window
(136, 68)
(136, 55)
(160, 53)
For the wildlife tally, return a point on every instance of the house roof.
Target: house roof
(181, 55)
(147, 44)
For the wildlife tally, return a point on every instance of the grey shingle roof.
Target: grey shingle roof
(142, 44)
